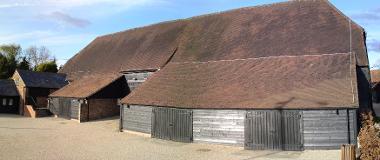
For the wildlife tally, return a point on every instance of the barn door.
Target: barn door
(273, 130)
(74, 109)
(65, 110)
(172, 124)
(262, 130)
(292, 129)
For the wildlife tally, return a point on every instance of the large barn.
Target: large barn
(288, 76)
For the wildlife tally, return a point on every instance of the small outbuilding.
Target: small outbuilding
(9, 97)
(34, 88)
(89, 98)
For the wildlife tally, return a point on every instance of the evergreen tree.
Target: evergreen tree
(24, 64)
(47, 67)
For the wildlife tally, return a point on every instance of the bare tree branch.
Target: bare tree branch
(38, 55)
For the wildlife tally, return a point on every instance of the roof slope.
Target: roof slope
(42, 79)
(290, 28)
(149, 47)
(321, 81)
(375, 76)
(8, 88)
(85, 86)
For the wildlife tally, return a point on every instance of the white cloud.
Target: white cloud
(65, 20)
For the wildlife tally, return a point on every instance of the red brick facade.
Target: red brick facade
(99, 108)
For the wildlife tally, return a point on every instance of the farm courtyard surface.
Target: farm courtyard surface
(56, 138)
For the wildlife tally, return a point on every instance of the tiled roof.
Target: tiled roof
(85, 86)
(282, 29)
(143, 48)
(307, 82)
(375, 76)
(8, 88)
(42, 79)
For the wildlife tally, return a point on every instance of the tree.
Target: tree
(24, 64)
(47, 67)
(12, 57)
(3, 67)
(10, 54)
(37, 55)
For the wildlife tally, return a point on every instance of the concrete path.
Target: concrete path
(56, 139)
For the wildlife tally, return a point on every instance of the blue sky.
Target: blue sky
(67, 26)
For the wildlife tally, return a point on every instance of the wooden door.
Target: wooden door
(172, 124)
(273, 130)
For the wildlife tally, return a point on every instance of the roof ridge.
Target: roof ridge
(268, 57)
(36, 72)
(207, 14)
(143, 27)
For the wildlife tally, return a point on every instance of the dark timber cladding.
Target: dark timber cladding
(65, 107)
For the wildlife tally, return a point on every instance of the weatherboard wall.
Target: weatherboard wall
(318, 129)
(135, 79)
(219, 126)
(329, 129)
(65, 107)
(137, 118)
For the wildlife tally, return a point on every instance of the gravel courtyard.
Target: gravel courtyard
(55, 138)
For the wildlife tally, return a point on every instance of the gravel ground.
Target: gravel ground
(55, 138)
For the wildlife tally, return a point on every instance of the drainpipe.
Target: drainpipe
(121, 118)
(88, 110)
(348, 127)
(48, 101)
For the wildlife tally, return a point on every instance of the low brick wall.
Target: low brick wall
(99, 108)
(41, 102)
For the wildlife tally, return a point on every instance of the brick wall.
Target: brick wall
(41, 102)
(21, 91)
(99, 108)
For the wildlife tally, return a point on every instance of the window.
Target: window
(4, 101)
(10, 102)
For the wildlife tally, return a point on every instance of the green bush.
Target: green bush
(47, 67)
